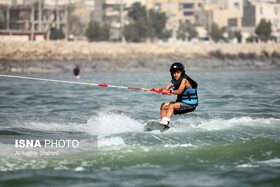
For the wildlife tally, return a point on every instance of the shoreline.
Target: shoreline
(133, 66)
(61, 56)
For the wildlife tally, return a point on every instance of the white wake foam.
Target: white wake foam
(272, 163)
(219, 124)
(107, 123)
(104, 123)
(111, 141)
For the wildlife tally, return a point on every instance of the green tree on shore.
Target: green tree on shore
(137, 31)
(216, 33)
(235, 34)
(145, 24)
(158, 21)
(57, 34)
(263, 30)
(238, 35)
(95, 32)
(3, 23)
(187, 31)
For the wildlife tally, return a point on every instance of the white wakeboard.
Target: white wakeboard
(155, 125)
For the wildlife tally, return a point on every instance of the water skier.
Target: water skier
(186, 89)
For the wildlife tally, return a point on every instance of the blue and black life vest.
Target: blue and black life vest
(189, 95)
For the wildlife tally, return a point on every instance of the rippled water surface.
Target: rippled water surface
(232, 139)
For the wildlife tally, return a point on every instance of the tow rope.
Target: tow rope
(90, 84)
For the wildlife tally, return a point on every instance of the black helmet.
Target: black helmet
(177, 65)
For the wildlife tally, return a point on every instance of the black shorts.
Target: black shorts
(184, 108)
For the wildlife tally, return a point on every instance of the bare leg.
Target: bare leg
(163, 109)
(171, 108)
(167, 109)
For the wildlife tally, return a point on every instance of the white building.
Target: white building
(229, 4)
(110, 11)
(254, 11)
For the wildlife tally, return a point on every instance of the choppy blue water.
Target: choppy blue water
(232, 139)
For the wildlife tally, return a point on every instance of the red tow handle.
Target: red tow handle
(153, 90)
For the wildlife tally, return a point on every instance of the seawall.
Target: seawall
(58, 56)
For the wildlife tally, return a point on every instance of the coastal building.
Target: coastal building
(25, 19)
(52, 3)
(178, 12)
(99, 13)
(254, 11)
(33, 18)
(12, 2)
(223, 13)
(109, 10)
(89, 3)
(14, 35)
(113, 12)
(169, 7)
(228, 4)
(187, 9)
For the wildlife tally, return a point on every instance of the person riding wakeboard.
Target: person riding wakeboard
(186, 89)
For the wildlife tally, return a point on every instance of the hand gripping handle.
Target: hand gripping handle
(153, 90)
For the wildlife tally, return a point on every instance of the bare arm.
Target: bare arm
(185, 83)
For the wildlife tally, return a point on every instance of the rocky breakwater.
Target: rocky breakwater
(58, 56)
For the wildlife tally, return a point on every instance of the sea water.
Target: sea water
(231, 139)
